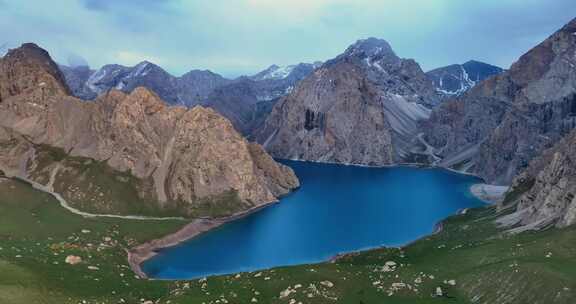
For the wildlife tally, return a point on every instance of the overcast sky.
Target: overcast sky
(234, 37)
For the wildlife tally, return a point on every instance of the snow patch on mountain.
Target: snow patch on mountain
(92, 82)
(454, 80)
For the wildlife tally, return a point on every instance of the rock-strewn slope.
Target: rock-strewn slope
(184, 160)
(545, 193)
(360, 108)
(496, 128)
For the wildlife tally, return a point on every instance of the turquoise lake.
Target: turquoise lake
(338, 209)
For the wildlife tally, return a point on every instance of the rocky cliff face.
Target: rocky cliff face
(24, 71)
(454, 80)
(496, 128)
(361, 108)
(186, 161)
(545, 193)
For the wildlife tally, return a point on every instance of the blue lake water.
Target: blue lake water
(338, 209)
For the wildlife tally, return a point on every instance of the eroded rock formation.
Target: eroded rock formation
(362, 107)
(187, 161)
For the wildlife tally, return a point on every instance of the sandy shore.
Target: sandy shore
(489, 193)
(143, 252)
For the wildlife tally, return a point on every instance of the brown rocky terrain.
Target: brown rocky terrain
(121, 148)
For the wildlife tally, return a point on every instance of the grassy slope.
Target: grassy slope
(35, 234)
(95, 187)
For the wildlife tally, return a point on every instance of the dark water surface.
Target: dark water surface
(338, 209)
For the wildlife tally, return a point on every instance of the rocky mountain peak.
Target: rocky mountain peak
(370, 47)
(500, 125)
(201, 73)
(146, 97)
(274, 72)
(171, 160)
(570, 27)
(539, 61)
(29, 68)
(362, 107)
(456, 79)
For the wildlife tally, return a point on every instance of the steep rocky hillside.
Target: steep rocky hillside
(361, 107)
(545, 193)
(187, 162)
(496, 128)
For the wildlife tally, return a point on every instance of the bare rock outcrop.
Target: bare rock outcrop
(185, 160)
(496, 128)
(545, 193)
(360, 108)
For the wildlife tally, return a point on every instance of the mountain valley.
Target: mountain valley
(103, 171)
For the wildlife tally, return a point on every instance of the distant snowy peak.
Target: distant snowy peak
(275, 72)
(106, 78)
(373, 54)
(141, 69)
(456, 79)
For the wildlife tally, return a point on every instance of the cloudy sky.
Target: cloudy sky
(236, 37)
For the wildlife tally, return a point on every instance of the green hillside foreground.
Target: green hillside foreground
(470, 260)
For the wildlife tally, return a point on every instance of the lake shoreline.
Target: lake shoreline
(143, 252)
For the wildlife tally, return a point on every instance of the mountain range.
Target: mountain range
(245, 100)
(367, 106)
(361, 107)
(370, 107)
(127, 153)
(136, 153)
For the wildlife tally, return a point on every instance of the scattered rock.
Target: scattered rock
(287, 292)
(327, 284)
(73, 260)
